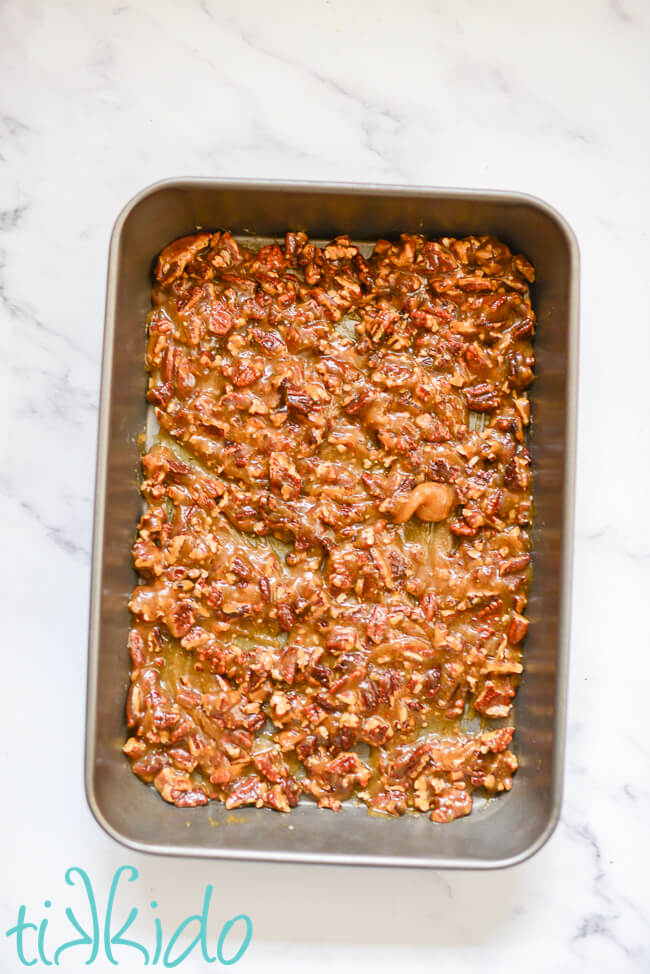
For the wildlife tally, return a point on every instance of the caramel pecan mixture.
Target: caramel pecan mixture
(335, 554)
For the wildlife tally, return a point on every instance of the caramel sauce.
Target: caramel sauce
(335, 552)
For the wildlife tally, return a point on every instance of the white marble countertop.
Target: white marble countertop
(99, 99)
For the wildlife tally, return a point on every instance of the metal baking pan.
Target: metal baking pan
(507, 829)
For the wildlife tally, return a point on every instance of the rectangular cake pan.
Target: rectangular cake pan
(507, 829)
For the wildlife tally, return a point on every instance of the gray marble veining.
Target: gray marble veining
(100, 99)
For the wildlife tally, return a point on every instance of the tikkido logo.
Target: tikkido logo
(34, 943)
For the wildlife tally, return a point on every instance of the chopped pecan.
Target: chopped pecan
(376, 730)
(176, 256)
(246, 791)
(429, 605)
(286, 618)
(269, 341)
(482, 398)
(283, 475)
(340, 249)
(462, 528)
(246, 372)
(220, 318)
(377, 623)
(492, 606)
(454, 803)
(180, 620)
(523, 329)
(341, 639)
(517, 474)
(493, 702)
(299, 401)
(177, 787)
(516, 564)
(517, 628)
